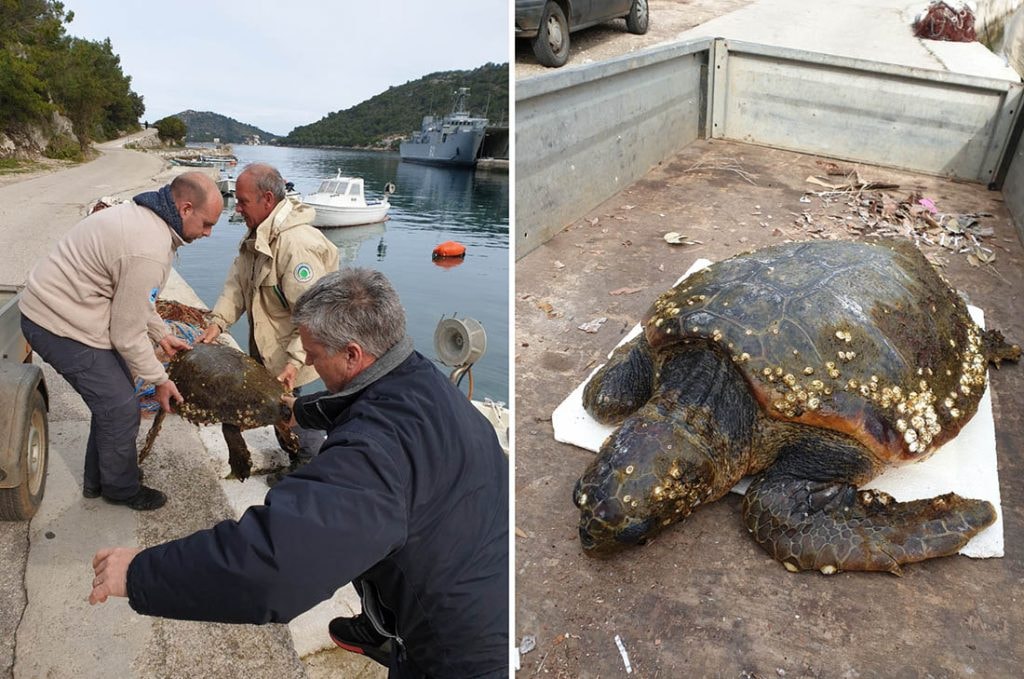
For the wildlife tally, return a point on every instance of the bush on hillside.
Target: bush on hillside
(171, 129)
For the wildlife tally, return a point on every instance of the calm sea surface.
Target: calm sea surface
(431, 205)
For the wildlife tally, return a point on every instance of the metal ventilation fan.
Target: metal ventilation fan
(459, 343)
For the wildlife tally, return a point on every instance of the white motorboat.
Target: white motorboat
(340, 201)
(226, 183)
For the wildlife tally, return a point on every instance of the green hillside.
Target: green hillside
(207, 126)
(383, 120)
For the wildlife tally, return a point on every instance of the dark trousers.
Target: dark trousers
(102, 379)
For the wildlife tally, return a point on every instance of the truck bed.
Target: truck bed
(703, 599)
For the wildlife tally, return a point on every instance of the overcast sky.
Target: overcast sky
(277, 65)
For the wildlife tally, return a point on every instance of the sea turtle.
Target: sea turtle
(811, 367)
(221, 384)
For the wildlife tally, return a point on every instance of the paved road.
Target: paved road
(34, 213)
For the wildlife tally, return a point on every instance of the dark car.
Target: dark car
(547, 23)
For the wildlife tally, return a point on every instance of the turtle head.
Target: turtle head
(644, 479)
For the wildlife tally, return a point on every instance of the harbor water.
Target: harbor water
(431, 205)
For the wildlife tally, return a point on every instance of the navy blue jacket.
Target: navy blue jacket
(409, 494)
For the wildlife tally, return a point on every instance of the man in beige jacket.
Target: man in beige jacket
(280, 257)
(88, 309)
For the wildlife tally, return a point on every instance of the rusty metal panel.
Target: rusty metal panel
(926, 121)
(585, 133)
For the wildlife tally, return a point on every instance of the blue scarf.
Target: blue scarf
(162, 203)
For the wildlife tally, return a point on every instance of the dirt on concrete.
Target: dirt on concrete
(702, 599)
(610, 39)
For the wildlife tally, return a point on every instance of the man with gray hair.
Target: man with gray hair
(408, 500)
(280, 256)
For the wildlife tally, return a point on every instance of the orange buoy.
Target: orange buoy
(449, 249)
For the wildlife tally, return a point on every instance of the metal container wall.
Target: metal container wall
(587, 132)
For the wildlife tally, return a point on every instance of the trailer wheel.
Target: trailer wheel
(551, 44)
(21, 503)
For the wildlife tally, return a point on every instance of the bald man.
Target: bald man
(89, 311)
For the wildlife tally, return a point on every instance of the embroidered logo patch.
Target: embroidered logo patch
(303, 273)
(152, 295)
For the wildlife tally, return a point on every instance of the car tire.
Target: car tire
(551, 45)
(639, 18)
(21, 503)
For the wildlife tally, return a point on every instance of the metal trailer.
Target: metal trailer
(24, 427)
(583, 134)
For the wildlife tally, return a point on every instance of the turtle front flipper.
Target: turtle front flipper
(239, 456)
(833, 526)
(670, 456)
(623, 384)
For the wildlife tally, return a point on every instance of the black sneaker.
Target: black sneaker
(90, 492)
(359, 636)
(145, 500)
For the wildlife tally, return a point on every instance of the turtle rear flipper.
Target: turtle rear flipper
(833, 526)
(623, 384)
(287, 439)
(158, 422)
(239, 457)
(996, 349)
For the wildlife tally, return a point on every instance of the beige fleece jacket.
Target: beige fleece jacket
(99, 285)
(275, 265)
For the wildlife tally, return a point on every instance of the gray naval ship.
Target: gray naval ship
(453, 140)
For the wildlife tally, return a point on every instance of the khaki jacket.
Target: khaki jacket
(276, 264)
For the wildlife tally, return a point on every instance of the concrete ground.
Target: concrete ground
(883, 32)
(47, 628)
(702, 599)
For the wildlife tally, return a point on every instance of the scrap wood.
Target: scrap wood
(722, 165)
(853, 183)
(871, 212)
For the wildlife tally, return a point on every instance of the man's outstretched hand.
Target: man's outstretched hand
(111, 568)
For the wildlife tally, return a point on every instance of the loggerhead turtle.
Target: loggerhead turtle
(221, 384)
(812, 367)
